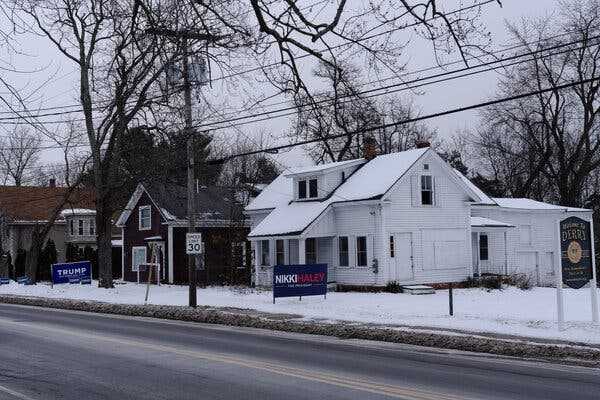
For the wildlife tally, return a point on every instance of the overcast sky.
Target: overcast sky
(62, 88)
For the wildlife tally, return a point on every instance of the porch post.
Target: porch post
(272, 253)
(505, 254)
(256, 245)
(170, 254)
(301, 251)
(286, 251)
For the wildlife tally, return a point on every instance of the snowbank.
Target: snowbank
(510, 311)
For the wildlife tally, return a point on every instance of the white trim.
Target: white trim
(170, 251)
(123, 253)
(140, 209)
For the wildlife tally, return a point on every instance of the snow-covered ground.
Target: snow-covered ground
(510, 311)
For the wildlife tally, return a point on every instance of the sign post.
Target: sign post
(577, 262)
(299, 280)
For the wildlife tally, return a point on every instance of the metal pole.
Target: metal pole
(593, 283)
(559, 285)
(450, 300)
(191, 189)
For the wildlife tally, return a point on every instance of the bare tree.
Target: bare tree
(19, 154)
(119, 65)
(548, 146)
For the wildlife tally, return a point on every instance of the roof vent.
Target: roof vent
(52, 183)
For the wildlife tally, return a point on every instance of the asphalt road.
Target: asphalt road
(52, 354)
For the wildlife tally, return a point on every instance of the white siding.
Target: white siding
(441, 233)
(531, 245)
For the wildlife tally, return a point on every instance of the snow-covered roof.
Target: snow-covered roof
(278, 193)
(528, 204)
(481, 222)
(323, 167)
(77, 211)
(484, 198)
(371, 181)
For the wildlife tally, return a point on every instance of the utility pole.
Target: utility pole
(191, 179)
(194, 261)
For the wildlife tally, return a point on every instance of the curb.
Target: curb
(563, 354)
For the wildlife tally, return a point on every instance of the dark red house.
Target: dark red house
(159, 215)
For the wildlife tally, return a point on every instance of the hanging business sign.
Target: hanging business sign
(299, 280)
(75, 272)
(576, 252)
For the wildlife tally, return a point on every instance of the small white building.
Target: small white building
(406, 217)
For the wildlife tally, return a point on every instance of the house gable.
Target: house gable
(443, 177)
(139, 194)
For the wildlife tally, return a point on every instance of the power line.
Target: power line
(448, 74)
(408, 121)
(459, 10)
(269, 117)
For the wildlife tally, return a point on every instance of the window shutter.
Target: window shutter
(352, 259)
(436, 196)
(415, 191)
(370, 252)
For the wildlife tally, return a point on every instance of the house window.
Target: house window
(311, 251)
(145, 221)
(392, 248)
(343, 250)
(361, 251)
(92, 227)
(313, 190)
(343, 176)
(426, 167)
(280, 252)
(72, 227)
(80, 228)
(138, 256)
(483, 247)
(427, 190)
(264, 253)
(302, 189)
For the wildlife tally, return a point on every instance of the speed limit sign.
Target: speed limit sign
(193, 243)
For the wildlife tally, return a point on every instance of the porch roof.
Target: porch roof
(482, 222)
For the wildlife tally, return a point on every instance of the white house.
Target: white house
(406, 217)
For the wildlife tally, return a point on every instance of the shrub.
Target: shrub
(393, 287)
(522, 281)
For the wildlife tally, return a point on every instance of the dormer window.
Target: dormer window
(313, 189)
(301, 189)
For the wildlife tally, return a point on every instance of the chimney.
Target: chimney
(52, 183)
(422, 144)
(369, 148)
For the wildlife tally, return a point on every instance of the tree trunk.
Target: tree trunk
(103, 241)
(35, 249)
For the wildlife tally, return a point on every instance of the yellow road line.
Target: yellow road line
(18, 395)
(348, 382)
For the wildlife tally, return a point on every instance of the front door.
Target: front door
(160, 259)
(403, 256)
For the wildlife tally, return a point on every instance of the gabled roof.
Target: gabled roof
(278, 193)
(484, 198)
(528, 204)
(212, 203)
(369, 182)
(34, 203)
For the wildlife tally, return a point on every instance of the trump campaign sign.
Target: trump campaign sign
(75, 272)
(299, 280)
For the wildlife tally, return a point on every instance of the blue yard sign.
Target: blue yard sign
(75, 272)
(299, 280)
